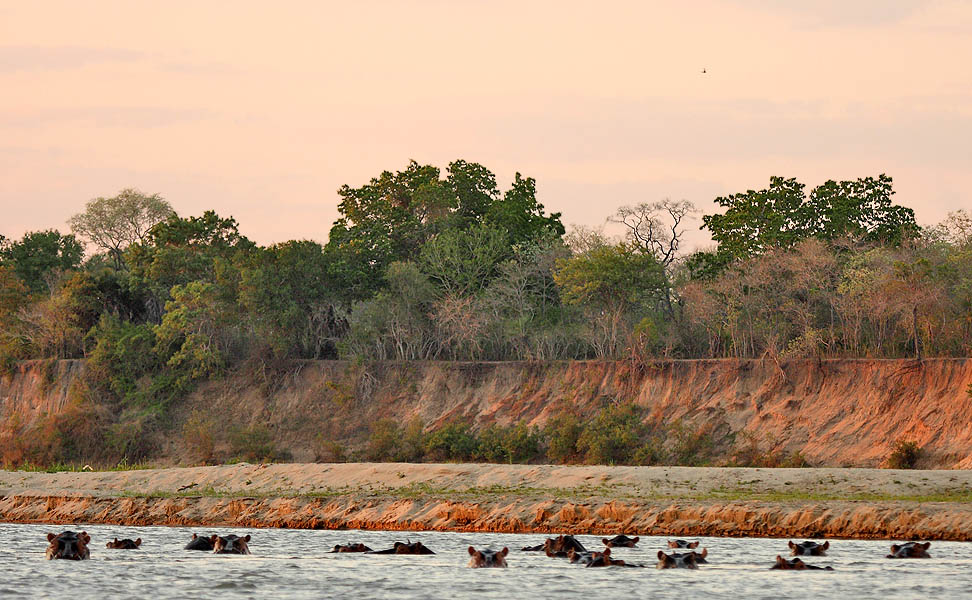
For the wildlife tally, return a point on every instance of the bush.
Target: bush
(904, 456)
(614, 435)
(690, 448)
(514, 444)
(253, 443)
(452, 442)
(562, 432)
(384, 442)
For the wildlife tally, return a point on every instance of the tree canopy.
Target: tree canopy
(113, 224)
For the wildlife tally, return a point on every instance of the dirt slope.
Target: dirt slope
(675, 501)
(834, 412)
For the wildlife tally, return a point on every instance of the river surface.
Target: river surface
(295, 564)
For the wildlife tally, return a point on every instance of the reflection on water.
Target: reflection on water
(295, 564)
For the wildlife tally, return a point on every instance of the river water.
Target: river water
(295, 564)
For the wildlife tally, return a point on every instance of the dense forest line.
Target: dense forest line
(429, 265)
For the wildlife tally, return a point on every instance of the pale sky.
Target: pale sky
(262, 110)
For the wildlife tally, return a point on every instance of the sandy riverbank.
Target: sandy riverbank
(862, 503)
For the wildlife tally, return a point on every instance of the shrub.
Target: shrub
(614, 435)
(905, 455)
(384, 442)
(452, 442)
(199, 437)
(253, 443)
(562, 432)
(514, 444)
(690, 448)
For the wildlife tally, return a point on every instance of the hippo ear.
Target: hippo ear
(606, 541)
(138, 541)
(704, 553)
(826, 545)
(895, 548)
(116, 540)
(661, 555)
(472, 551)
(791, 544)
(694, 544)
(504, 551)
(84, 536)
(926, 545)
(607, 551)
(50, 537)
(194, 536)
(635, 540)
(246, 538)
(213, 538)
(779, 559)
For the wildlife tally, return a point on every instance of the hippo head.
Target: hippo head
(487, 558)
(230, 544)
(603, 559)
(808, 548)
(795, 564)
(358, 547)
(125, 544)
(563, 543)
(620, 541)
(676, 561)
(910, 550)
(683, 544)
(68, 545)
(581, 557)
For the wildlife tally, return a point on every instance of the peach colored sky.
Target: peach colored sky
(262, 110)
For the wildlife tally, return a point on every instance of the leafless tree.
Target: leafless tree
(656, 227)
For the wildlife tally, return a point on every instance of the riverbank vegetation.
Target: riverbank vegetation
(425, 264)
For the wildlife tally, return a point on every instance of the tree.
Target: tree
(860, 209)
(40, 258)
(782, 215)
(289, 301)
(656, 227)
(755, 221)
(521, 216)
(115, 223)
(395, 214)
(462, 262)
(182, 250)
(612, 283)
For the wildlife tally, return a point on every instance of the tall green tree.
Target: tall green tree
(180, 250)
(783, 214)
(395, 214)
(41, 257)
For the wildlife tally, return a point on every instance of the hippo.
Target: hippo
(537, 548)
(230, 544)
(603, 559)
(683, 544)
(487, 558)
(620, 541)
(68, 545)
(405, 548)
(910, 550)
(676, 561)
(795, 564)
(356, 547)
(808, 549)
(579, 557)
(125, 544)
(200, 543)
(563, 543)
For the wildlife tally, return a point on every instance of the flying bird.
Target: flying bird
(703, 70)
